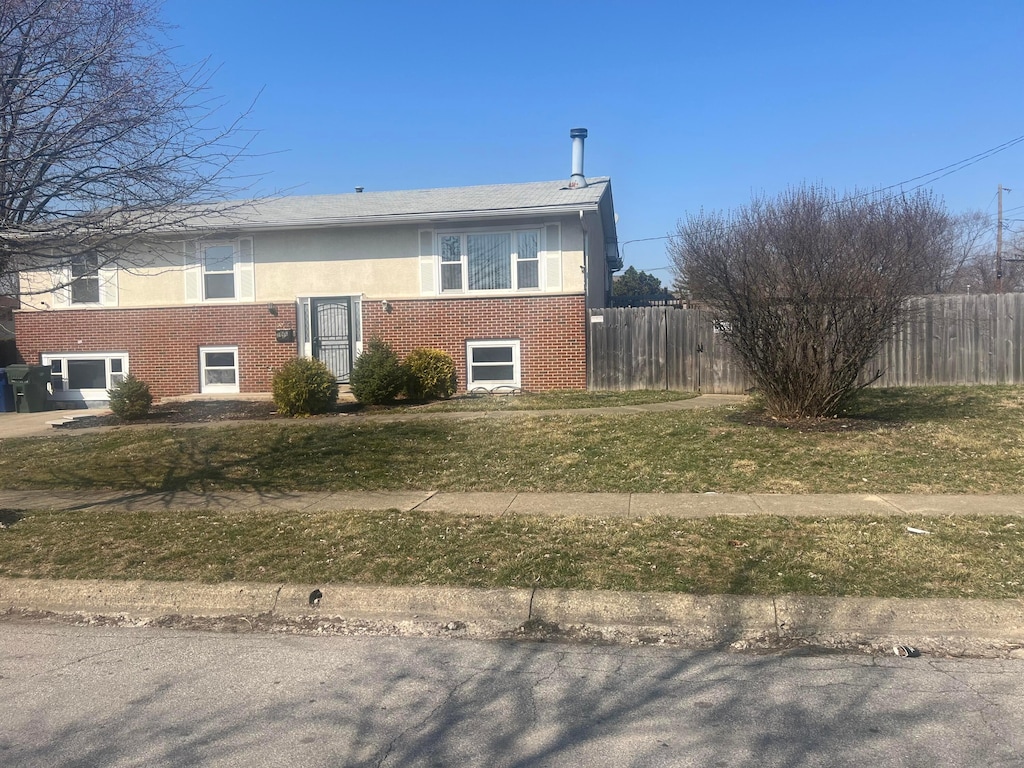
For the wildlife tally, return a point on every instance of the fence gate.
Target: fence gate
(660, 348)
(331, 329)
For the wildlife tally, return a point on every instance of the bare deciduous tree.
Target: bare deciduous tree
(103, 137)
(978, 275)
(807, 286)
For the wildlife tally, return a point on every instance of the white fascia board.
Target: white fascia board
(402, 218)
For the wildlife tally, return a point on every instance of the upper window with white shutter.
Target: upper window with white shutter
(219, 270)
(84, 281)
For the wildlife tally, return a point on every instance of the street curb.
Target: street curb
(939, 626)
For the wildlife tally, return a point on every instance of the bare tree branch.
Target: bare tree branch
(104, 139)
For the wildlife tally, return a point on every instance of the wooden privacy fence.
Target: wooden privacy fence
(943, 340)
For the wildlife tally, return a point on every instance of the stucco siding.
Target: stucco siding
(377, 262)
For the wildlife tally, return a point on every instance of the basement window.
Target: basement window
(218, 368)
(85, 376)
(493, 365)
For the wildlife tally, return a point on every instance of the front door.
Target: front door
(331, 330)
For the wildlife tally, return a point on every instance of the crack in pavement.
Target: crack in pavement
(428, 717)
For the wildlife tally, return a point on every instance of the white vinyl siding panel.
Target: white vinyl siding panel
(193, 272)
(553, 257)
(108, 286)
(427, 283)
(61, 293)
(246, 272)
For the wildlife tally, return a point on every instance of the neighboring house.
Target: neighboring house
(499, 277)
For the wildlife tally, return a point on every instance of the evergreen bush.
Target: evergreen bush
(377, 375)
(304, 387)
(431, 374)
(130, 399)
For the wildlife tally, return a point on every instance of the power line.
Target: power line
(952, 167)
(945, 171)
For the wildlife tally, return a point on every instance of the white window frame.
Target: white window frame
(203, 246)
(90, 275)
(218, 388)
(59, 382)
(490, 385)
(513, 266)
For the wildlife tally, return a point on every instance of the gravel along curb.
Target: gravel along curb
(989, 628)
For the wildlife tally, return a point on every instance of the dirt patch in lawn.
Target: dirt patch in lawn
(752, 418)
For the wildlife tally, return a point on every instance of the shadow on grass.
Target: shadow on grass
(874, 408)
(917, 405)
(9, 517)
(272, 459)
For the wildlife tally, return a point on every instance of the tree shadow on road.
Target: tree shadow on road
(413, 702)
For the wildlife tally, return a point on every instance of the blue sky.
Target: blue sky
(688, 105)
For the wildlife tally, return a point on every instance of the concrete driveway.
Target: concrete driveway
(39, 424)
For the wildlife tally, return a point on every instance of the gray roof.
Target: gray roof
(488, 201)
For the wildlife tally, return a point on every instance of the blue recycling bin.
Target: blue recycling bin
(6, 393)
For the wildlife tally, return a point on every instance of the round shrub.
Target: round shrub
(431, 374)
(377, 375)
(130, 399)
(303, 387)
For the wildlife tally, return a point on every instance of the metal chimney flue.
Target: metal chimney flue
(578, 180)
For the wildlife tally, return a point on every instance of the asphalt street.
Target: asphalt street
(91, 696)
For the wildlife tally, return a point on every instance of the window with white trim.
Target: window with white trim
(489, 261)
(85, 279)
(218, 369)
(219, 270)
(493, 364)
(219, 273)
(85, 375)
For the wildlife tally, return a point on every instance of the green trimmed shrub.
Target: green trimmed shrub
(304, 387)
(377, 375)
(431, 374)
(130, 399)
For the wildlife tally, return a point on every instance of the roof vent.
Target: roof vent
(578, 180)
(359, 189)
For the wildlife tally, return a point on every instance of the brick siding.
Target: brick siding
(163, 344)
(551, 332)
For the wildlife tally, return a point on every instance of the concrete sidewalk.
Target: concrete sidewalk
(693, 505)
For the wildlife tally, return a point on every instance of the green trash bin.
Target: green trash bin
(29, 383)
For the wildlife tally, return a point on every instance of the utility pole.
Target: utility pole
(999, 242)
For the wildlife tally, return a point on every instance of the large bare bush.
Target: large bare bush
(807, 286)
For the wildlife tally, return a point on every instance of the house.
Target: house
(500, 277)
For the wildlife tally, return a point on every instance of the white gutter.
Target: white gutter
(384, 219)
